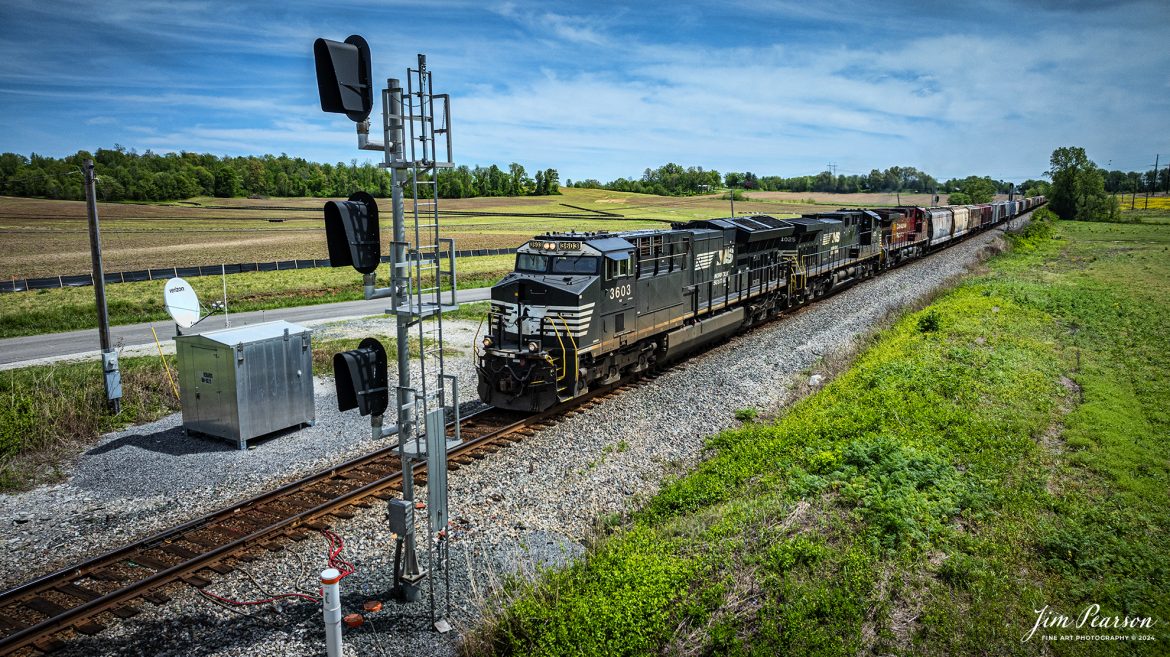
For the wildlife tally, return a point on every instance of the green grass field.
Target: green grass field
(66, 309)
(50, 238)
(50, 413)
(1000, 451)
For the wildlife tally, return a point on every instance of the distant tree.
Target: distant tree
(972, 189)
(1078, 187)
(891, 181)
(206, 180)
(552, 184)
(1035, 188)
(227, 182)
(520, 180)
(823, 182)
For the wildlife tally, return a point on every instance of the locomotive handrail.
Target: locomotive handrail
(576, 355)
(565, 363)
(475, 340)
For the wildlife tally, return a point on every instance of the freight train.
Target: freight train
(583, 310)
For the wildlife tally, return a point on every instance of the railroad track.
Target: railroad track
(87, 597)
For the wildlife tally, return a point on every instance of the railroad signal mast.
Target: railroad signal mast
(416, 144)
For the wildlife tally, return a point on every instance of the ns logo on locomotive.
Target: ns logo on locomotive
(584, 309)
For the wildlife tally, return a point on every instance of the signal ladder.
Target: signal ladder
(425, 274)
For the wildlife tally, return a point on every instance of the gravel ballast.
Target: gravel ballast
(534, 503)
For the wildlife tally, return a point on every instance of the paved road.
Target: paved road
(52, 346)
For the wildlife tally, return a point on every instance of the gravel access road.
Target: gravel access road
(532, 504)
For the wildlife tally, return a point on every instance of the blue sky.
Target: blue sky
(607, 89)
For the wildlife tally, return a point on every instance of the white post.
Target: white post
(223, 275)
(331, 605)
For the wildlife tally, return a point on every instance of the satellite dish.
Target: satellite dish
(181, 302)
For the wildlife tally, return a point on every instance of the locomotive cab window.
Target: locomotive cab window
(574, 264)
(532, 263)
(617, 265)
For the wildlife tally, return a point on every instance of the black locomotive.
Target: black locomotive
(584, 309)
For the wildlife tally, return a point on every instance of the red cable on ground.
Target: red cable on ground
(336, 545)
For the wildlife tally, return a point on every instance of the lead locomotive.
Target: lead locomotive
(583, 309)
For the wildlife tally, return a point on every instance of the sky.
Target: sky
(606, 89)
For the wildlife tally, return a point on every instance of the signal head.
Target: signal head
(343, 77)
(360, 376)
(352, 234)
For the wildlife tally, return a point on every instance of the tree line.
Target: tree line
(125, 175)
(468, 182)
(676, 180)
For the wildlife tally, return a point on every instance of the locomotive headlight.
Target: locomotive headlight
(487, 342)
(532, 346)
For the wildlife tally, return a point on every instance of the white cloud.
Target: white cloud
(606, 90)
(955, 105)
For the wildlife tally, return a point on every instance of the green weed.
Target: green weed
(746, 414)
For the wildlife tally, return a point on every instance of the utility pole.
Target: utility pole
(113, 378)
(1153, 181)
(731, 195)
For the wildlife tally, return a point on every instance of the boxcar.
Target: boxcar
(986, 217)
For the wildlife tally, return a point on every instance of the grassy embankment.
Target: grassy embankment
(51, 413)
(999, 451)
